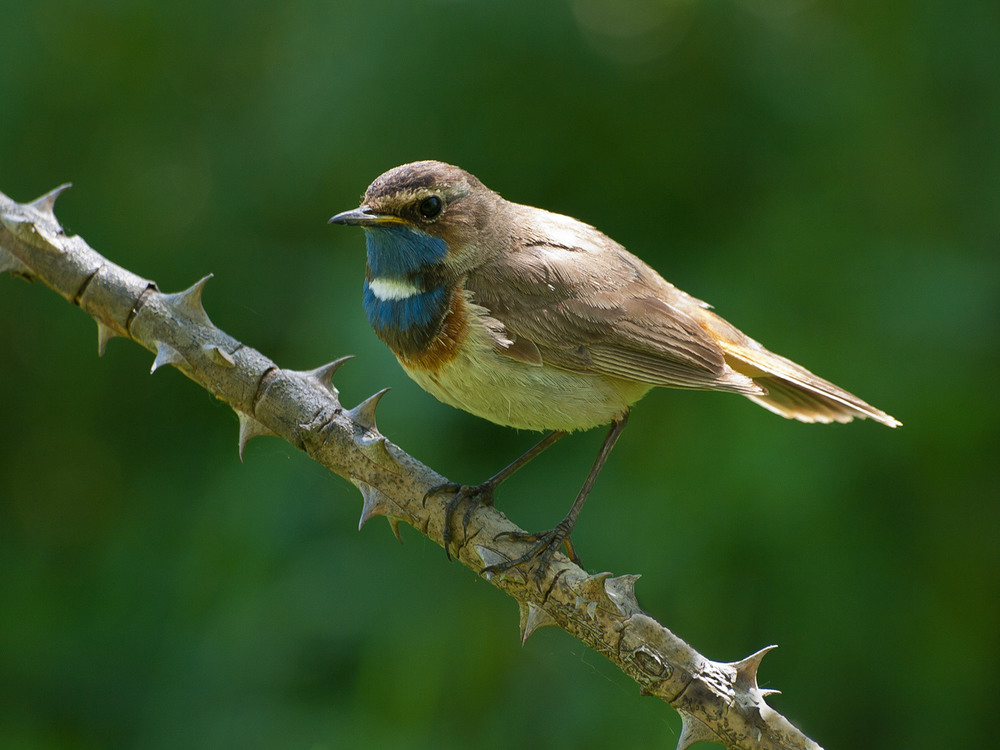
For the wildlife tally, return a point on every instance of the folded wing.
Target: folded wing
(605, 313)
(571, 297)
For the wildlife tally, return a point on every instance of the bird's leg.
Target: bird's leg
(482, 493)
(546, 543)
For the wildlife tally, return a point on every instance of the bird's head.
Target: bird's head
(423, 217)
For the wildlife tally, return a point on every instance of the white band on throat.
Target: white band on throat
(388, 289)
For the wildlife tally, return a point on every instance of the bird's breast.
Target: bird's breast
(465, 366)
(450, 334)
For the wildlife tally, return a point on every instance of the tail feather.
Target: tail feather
(792, 391)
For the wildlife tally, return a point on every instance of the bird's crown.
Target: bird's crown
(419, 192)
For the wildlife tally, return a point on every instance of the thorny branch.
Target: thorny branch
(718, 702)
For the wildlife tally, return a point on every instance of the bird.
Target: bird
(537, 321)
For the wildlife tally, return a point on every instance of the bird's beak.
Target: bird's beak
(363, 217)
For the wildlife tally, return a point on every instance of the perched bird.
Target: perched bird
(538, 321)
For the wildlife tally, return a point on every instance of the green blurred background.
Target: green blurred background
(827, 174)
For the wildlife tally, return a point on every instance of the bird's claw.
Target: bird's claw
(544, 544)
(472, 494)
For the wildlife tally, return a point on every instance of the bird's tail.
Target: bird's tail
(792, 391)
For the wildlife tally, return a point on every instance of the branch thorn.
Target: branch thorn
(375, 503)
(746, 669)
(621, 591)
(189, 303)
(532, 618)
(324, 374)
(593, 592)
(394, 525)
(250, 428)
(363, 414)
(104, 334)
(165, 355)
(45, 204)
(693, 730)
(219, 356)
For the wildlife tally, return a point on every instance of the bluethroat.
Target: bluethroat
(535, 320)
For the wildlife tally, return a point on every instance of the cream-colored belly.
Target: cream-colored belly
(511, 393)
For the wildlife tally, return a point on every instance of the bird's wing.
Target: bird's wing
(593, 307)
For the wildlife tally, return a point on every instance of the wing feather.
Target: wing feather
(588, 305)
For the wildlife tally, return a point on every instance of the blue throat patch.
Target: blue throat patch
(397, 251)
(410, 324)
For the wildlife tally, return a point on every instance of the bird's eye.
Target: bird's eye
(430, 207)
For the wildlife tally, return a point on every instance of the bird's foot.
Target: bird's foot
(544, 544)
(473, 495)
